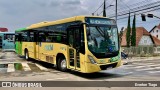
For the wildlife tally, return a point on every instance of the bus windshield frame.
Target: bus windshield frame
(102, 38)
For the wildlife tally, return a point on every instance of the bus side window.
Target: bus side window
(42, 37)
(31, 37)
(5, 36)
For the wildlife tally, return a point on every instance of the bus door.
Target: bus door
(18, 43)
(36, 35)
(74, 47)
(8, 41)
(19, 47)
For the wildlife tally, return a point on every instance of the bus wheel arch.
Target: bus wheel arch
(61, 62)
(26, 54)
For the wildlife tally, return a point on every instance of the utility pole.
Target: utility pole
(116, 11)
(104, 9)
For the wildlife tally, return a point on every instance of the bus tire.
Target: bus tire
(26, 55)
(62, 64)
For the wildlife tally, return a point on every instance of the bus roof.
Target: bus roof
(21, 29)
(48, 23)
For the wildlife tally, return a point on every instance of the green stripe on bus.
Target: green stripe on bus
(21, 29)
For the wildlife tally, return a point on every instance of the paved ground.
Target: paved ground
(13, 67)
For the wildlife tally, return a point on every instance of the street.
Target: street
(15, 68)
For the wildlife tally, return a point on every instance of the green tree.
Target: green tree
(133, 40)
(128, 34)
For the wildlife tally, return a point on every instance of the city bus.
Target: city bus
(85, 44)
(7, 41)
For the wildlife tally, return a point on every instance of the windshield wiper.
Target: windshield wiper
(100, 31)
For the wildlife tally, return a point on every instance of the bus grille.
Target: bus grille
(104, 67)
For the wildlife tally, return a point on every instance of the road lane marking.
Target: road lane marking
(155, 65)
(135, 67)
(145, 69)
(129, 65)
(42, 68)
(26, 67)
(139, 67)
(128, 73)
(11, 62)
(11, 59)
(144, 64)
(10, 68)
(154, 71)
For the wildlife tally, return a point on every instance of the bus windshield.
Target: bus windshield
(9, 37)
(102, 39)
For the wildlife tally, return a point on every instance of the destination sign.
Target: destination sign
(104, 21)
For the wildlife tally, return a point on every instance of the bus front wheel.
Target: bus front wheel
(26, 55)
(62, 64)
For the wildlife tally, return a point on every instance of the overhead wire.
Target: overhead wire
(98, 8)
(102, 10)
(140, 13)
(137, 8)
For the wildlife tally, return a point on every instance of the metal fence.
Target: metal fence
(142, 51)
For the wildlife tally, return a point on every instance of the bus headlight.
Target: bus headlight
(92, 59)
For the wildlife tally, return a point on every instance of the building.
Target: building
(3, 29)
(143, 38)
(155, 31)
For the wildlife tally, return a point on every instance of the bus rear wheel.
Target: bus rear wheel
(62, 64)
(26, 55)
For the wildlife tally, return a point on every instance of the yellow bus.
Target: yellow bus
(85, 44)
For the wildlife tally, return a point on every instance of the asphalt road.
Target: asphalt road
(15, 68)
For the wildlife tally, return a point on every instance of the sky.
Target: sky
(16, 14)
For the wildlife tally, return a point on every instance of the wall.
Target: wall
(142, 51)
(155, 33)
(145, 40)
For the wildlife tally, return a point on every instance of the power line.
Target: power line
(138, 21)
(137, 11)
(135, 4)
(125, 4)
(147, 5)
(99, 7)
(141, 13)
(105, 8)
(137, 8)
(147, 22)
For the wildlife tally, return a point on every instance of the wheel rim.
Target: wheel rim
(26, 55)
(63, 63)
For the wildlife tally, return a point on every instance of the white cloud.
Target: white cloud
(22, 13)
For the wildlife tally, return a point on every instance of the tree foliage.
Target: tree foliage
(133, 40)
(128, 34)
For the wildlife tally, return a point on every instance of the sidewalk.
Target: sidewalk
(126, 61)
